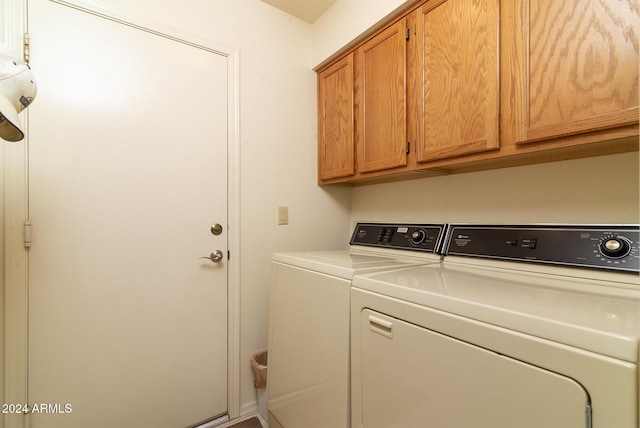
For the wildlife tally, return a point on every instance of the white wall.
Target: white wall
(346, 20)
(592, 190)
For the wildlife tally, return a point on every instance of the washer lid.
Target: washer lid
(577, 312)
(345, 264)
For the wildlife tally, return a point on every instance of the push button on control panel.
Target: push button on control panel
(415, 237)
(615, 247)
(385, 235)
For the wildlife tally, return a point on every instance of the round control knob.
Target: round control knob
(615, 247)
(418, 237)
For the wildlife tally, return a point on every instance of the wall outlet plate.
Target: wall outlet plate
(283, 215)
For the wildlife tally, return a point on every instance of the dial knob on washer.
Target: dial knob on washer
(418, 236)
(615, 247)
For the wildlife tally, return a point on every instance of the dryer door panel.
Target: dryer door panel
(412, 376)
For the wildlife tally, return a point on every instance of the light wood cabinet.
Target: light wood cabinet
(458, 72)
(381, 131)
(578, 68)
(451, 86)
(336, 148)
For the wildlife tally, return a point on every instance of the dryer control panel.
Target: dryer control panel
(600, 247)
(416, 237)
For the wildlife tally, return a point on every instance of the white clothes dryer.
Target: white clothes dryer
(308, 351)
(520, 326)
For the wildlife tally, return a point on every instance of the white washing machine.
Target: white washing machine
(520, 326)
(308, 355)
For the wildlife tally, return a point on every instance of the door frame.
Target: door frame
(16, 182)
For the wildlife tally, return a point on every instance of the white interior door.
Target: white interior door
(128, 172)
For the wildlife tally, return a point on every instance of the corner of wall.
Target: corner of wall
(346, 22)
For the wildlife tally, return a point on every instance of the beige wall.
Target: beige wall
(346, 20)
(593, 190)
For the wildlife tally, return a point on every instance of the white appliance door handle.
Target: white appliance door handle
(380, 326)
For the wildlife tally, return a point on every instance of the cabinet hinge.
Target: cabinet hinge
(407, 33)
(27, 233)
(26, 48)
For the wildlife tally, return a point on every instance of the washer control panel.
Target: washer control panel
(599, 247)
(417, 237)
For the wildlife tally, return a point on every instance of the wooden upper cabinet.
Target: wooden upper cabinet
(381, 129)
(579, 66)
(462, 85)
(458, 78)
(336, 120)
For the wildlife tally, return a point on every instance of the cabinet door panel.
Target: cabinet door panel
(335, 120)
(380, 94)
(581, 66)
(459, 73)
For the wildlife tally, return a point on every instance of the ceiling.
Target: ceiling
(308, 10)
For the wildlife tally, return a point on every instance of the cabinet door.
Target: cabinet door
(580, 67)
(335, 120)
(458, 42)
(380, 93)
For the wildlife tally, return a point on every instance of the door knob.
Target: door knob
(215, 257)
(216, 229)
